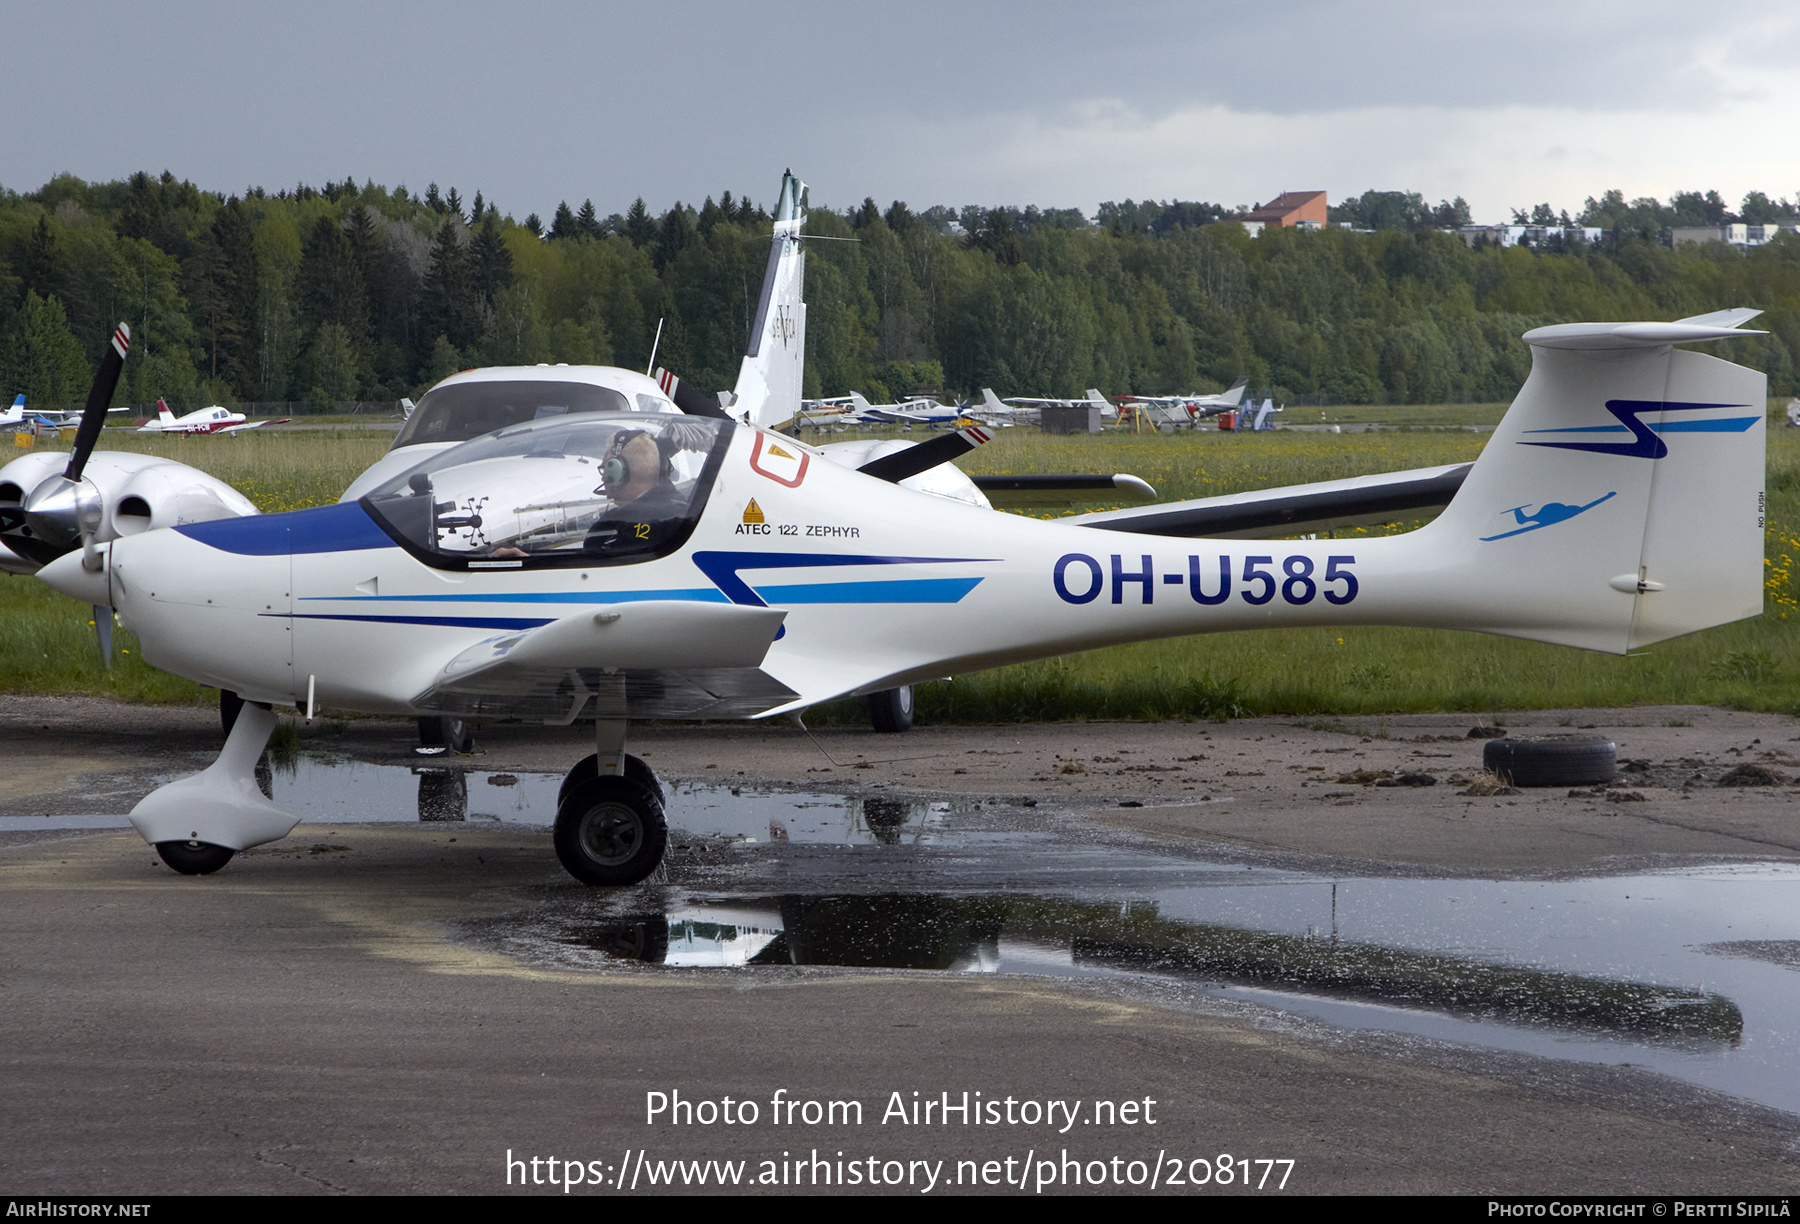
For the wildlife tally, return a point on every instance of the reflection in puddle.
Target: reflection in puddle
(981, 933)
(324, 790)
(335, 790)
(1691, 972)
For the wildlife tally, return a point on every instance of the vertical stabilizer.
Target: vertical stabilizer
(768, 385)
(1620, 502)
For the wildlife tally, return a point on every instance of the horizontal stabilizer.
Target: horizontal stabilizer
(1719, 325)
(1293, 510)
(1737, 316)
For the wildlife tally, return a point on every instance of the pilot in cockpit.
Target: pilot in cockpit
(639, 478)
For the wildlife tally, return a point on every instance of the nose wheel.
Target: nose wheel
(193, 857)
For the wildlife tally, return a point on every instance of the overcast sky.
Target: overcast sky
(952, 103)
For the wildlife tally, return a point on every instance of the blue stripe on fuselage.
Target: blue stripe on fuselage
(902, 590)
(690, 595)
(453, 622)
(341, 528)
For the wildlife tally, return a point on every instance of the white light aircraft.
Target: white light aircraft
(17, 419)
(1186, 410)
(920, 411)
(1093, 399)
(214, 420)
(612, 566)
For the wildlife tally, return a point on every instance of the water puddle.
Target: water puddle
(1694, 973)
(337, 790)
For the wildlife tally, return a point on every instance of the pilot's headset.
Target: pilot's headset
(616, 469)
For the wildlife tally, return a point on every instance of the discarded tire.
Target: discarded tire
(1552, 760)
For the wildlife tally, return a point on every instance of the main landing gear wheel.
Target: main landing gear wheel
(892, 709)
(193, 857)
(588, 768)
(610, 831)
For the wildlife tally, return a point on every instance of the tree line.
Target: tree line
(365, 292)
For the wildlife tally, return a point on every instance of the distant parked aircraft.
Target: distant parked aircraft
(202, 421)
(1194, 408)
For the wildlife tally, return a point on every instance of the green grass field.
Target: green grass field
(47, 645)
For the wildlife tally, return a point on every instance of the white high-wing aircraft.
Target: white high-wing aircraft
(618, 566)
(214, 420)
(1184, 410)
(1093, 399)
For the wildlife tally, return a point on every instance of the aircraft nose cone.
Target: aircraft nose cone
(60, 509)
(67, 576)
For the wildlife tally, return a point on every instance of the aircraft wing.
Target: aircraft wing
(1294, 509)
(1008, 492)
(649, 659)
(252, 425)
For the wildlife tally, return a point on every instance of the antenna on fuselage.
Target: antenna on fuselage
(651, 368)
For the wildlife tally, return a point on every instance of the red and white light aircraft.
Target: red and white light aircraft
(202, 421)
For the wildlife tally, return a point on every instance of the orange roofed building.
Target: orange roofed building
(1303, 209)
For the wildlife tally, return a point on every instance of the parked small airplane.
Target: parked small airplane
(1093, 399)
(613, 565)
(922, 410)
(18, 419)
(1186, 410)
(214, 420)
(995, 411)
(631, 565)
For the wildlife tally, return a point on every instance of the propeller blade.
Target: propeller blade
(103, 628)
(99, 397)
(915, 459)
(689, 400)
